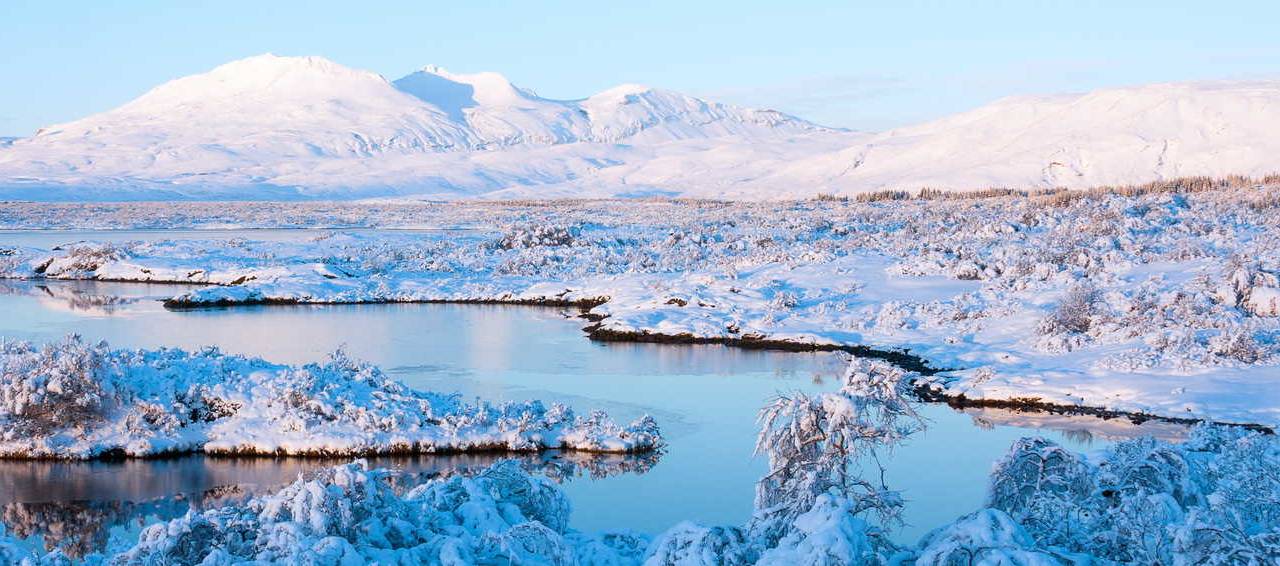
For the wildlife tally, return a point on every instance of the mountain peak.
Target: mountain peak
(622, 91)
(433, 82)
(272, 66)
(266, 75)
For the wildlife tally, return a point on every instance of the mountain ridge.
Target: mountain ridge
(307, 127)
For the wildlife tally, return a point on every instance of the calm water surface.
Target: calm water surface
(704, 397)
(50, 238)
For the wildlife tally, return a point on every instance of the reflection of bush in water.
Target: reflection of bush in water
(78, 528)
(84, 301)
(72, 295)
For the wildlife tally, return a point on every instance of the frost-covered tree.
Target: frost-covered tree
(830, 445)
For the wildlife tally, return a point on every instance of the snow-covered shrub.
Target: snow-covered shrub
(988, 536)
(1263, 301)
(1145, 501)
(349, 514)
(55, 387)
(75, 400)
(540, 235)
(1075, 313)
(689, 544)
(830, 533)
(81, 259)
(1238, 345)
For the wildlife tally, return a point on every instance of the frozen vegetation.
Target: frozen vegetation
(1209, 500)
(1160, 300)
(75, 400)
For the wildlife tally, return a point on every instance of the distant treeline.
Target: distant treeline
(1063, 196)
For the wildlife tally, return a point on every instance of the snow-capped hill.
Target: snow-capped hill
(283, 127)
(271, 126)
(487, 88)
(1114, 136)
(264, 76)
(497, 112)
(261, 109)
(630, 109)
(500, 113)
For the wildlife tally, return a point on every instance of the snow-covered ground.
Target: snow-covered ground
(271, 128)
(1209, 500)
(75, 400)
(1161, 303)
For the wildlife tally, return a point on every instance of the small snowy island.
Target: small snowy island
(74, 400)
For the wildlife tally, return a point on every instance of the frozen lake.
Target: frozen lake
(704, 397)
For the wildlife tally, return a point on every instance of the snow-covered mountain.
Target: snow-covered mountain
(291, 127)
(1115, 136)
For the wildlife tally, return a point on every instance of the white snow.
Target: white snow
(270, 127)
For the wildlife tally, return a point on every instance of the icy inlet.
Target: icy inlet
(76, 400)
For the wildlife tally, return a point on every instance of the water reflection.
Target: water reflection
(49, 239)
(74, 299)
(76, 505)
(1081, 430)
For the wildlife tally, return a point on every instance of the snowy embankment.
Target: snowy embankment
(75, 400)
(1211, 499)
(1161, 304)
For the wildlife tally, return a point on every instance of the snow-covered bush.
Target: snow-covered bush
(349, 514)
(82, 259)
(77, 400)
(1074, 314)
(539, 235)
(65, 390)
(1145, 501)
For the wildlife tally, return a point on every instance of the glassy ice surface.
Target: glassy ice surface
(704, 397)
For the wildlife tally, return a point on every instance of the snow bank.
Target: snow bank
(76, 400)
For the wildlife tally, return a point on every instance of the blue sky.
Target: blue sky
(867, 65)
